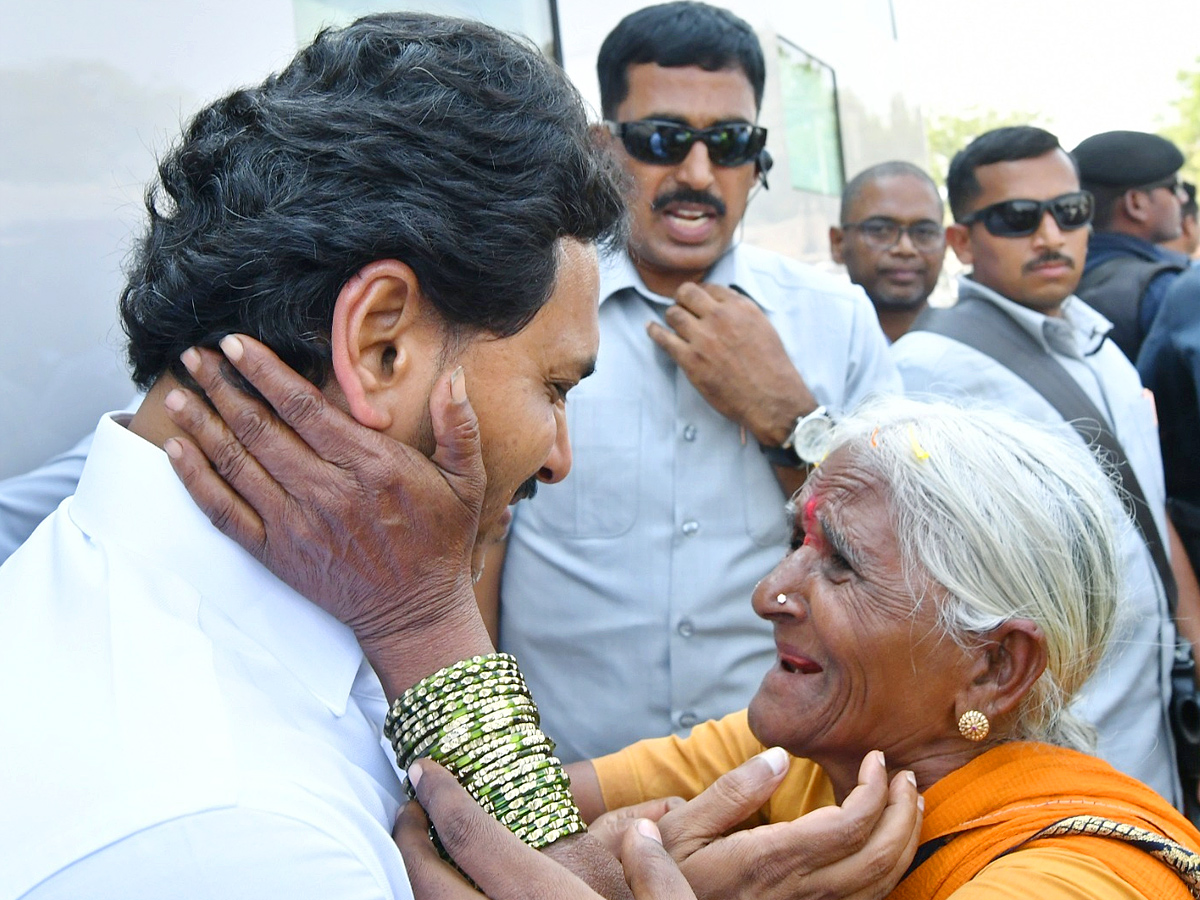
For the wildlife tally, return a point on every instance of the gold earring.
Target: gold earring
(974, 725)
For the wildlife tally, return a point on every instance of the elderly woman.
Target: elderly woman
(952, 584)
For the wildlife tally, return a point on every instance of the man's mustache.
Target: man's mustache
(688, 195)
(527, 489)
(1047, 258)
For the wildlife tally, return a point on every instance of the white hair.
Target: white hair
(1014, 521)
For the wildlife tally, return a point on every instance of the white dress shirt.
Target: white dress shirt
(626, 588)
(177, 721)
(1127, 698)
(28, 498)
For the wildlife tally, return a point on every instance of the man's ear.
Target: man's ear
(1135, 205)
(1011, 659)
(959, 238)
(379, 321)
(836, 236)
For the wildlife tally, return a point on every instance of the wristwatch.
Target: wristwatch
(807, 442)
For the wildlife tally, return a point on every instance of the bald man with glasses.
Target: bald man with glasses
(891, 240)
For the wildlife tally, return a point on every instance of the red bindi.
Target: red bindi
(811, 539)
(810, 512)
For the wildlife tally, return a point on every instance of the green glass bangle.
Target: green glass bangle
(476, 717)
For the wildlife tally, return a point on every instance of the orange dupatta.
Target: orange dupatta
(1006, 796)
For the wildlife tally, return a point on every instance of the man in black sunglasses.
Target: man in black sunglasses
(1139, 204)
(1188, 242)
(1020, 223)
(625, 591)
(891, 240)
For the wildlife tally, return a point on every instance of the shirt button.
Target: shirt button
(686, 629)
(690, 527)
(689, 433)
(687, 720)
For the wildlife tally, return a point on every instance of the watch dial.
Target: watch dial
(812, 438)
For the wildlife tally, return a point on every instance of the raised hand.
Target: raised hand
(855, 851)
(368, 528)
(499, 863)
(733, 356)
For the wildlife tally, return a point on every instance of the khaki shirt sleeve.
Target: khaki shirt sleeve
(683, 767)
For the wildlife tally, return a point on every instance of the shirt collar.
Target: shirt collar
(733, 269)
(129, 496)
(1078, 332)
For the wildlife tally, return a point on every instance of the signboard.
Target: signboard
(812, 132)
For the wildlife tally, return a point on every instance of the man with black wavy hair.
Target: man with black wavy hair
(410, 206)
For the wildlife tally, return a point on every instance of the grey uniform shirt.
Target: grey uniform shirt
(1127, 698)
(626, 587)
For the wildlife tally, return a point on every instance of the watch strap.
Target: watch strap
(784, 457)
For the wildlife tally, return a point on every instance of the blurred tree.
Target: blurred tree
(1185, 130)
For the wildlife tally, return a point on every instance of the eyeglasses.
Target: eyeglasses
(1172, 184)
(1020, 218)
(663, 143)
(883, 233)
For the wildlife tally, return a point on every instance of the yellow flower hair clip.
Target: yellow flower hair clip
(918, 451)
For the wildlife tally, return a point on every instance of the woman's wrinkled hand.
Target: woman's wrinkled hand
(368, 528)
(499, 863)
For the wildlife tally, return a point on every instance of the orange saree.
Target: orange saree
(1008, 795)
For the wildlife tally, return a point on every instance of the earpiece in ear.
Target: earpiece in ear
(762, 165)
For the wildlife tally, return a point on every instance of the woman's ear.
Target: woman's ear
(379, 319)
(1011, 659)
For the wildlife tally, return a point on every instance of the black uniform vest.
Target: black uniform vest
(1115, 289)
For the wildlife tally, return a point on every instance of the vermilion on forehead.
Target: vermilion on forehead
(812, 538)
(810, 511)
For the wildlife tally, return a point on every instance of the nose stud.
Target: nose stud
(781, 599)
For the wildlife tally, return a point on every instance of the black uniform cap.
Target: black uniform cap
(1126, 159)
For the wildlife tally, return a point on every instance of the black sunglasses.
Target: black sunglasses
(1020, 218)
(663, 143)
(1172, 184)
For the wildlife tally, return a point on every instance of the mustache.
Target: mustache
(688, 195)
(527, 489)
(1049, 257)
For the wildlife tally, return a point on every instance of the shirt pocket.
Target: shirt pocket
(766, 517)
(599, 498)
(1138, 434)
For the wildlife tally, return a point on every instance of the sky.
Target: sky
(1086, 65)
